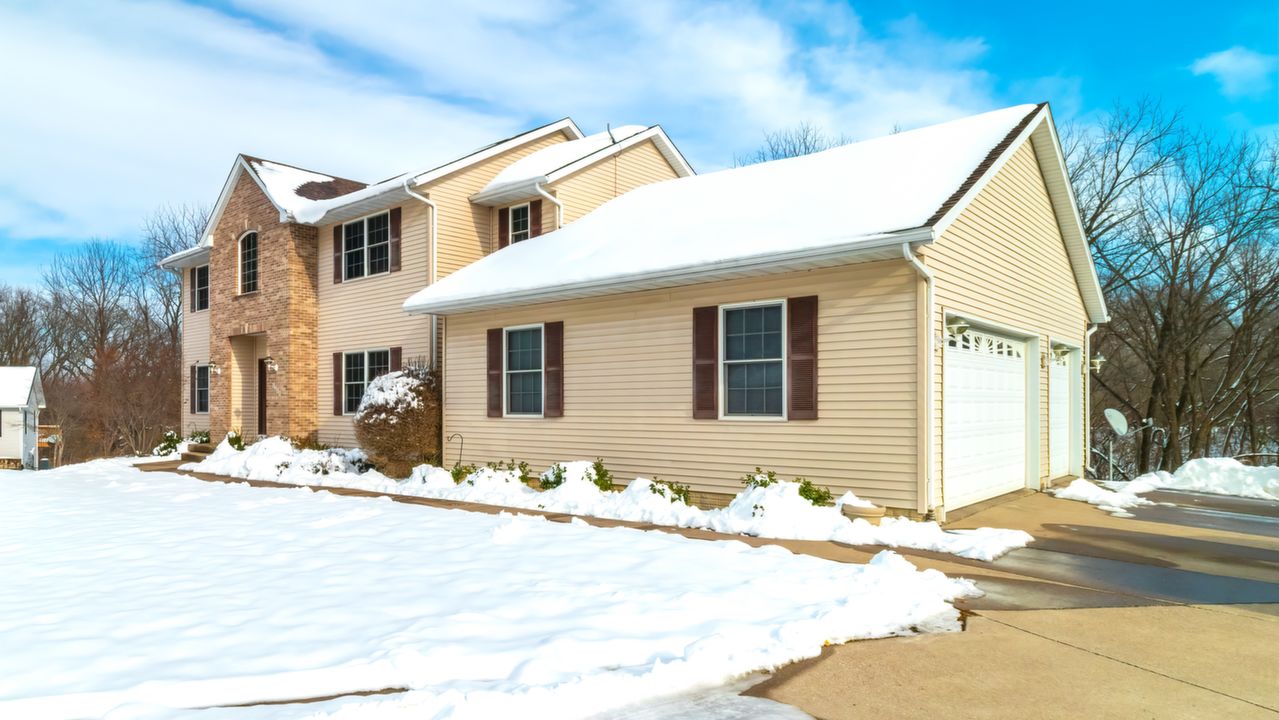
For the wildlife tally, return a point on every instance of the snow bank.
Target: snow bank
(774, 511)
(126, 594)
(1218, 476)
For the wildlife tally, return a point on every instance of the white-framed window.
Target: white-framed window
(201, 389)
(366, 246)
(200, 288)
(523, 368)
(249, 263)
(358, 369)
(519, 223)
(753, 360)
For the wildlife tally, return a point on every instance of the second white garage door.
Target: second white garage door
(984, 418)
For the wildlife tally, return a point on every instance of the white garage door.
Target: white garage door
(1059, 417)
(984, 418)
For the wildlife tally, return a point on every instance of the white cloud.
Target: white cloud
(1239, 72)
(125, 106)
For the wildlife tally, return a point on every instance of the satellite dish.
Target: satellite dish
(1117, 421)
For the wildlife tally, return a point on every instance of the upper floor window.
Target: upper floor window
(754, 365)
(200, 288)
(366, 246)
(249, 263)
(523, 371)
(359, 368)
(519, 223)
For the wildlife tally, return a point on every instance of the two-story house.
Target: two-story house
(293, 295)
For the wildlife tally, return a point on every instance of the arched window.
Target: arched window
(249, 263)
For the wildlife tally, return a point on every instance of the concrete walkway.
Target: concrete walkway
(1173, 614)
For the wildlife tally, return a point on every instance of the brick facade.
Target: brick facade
(277, 321)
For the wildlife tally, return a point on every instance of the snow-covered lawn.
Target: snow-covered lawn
(134, 593)
(1218, 476)
(776, 511)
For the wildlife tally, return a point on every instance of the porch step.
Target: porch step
(194, 457)
(200, 448)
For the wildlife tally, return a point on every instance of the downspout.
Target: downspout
(435, 227)
(1086, 409)
(559, 206)
(930, 371)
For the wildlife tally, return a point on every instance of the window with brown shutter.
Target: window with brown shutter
(535, 218)
(554, 369)
(397, 359)
(706, 363)
(503, 227)
(495, 372)
(801, 366)
(337, 256)
(395, 239)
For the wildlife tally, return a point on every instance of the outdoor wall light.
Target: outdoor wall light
(1097, 361)
(1061, 352)
(271, 364)
(215, 368)
(957, 326)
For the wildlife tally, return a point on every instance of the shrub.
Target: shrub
(460, 472)
(554, 477)
(168, 443)
(670, 490)
(398, 421)
(759, 478)
(235, 439)
(600, 475)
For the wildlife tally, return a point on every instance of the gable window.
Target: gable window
(249, 263)
(359, 368)
(754, 361)
(519, 223)
(366, 246)
(523, 371)
(200, 288)
(201, 389)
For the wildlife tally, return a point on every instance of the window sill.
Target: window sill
(237, 296)
(523, 416)
(346, 280)
(753, 418)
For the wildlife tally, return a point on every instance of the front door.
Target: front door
(262, 397)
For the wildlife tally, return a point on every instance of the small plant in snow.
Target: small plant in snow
(554, 477)
(672, 491)
(815, 495)
(460, 472)
(526, 475)
(168, 443)
(760, 478)
(600, 475)
(235, 439)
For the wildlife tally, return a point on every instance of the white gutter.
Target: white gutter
(559, 206)
(930, 370)
(435, 234)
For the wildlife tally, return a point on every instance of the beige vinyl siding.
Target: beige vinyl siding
(628, 388)
(195, 349)
(1003, 260)
(593, 186)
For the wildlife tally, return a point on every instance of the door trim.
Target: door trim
(261, 397)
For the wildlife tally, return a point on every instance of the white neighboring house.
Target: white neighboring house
(21, 400)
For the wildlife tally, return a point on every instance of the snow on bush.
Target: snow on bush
(1218, 476)
(768, 507)
(398, 421)
(172, 443)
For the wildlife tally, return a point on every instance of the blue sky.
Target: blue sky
(113, 109)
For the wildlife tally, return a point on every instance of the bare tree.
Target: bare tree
(21, 338)
(802, 139)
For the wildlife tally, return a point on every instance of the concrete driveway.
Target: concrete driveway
(1172, 614)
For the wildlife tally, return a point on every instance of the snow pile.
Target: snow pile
(1218, 476)
(276, 459)
(127, 594)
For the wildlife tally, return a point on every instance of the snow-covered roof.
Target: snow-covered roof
(800, 212)
(294, 189)
(521, 178)
(16, 384)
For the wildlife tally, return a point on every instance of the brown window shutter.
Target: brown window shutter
(503, 227)
(495, 372)
(553, 349)
(706, 363)
(192, 407)
(534, 218)
(337, 253)
(395, 240)
(337, 383)
(801, 364)
(193, 288)
(397, 358)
